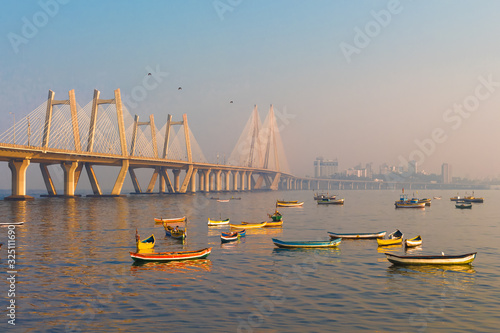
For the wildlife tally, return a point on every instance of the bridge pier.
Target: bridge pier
(18, 170)
(228, 179)
(192, 182)
(69, 178)
(177, 178)
(235, 180)
(207, 180)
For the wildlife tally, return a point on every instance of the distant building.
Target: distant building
(446, 173)
(412, 167)
(325, 168)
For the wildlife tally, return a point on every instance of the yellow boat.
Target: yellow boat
(148, 243)
(289, 204)
(268, 224)
(248, 225)
(395, 238)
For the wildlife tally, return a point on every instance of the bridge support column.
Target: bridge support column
(135, 182)
(235, 180)
(51, 190)
(207, 180)
(228, 180)
(93, 179)
(243, 174)
(69, 178)
(218, 184)
(117, 188)
(249, 180)
(177, 179)
(201, 174)
(18, 169)
(192, 185)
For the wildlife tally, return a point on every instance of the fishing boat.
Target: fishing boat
(172, 220)
(170, 256)
(217, 222)
(306, 244)
(394, 238)
(412, 242)
(289, 203)
(463, 205)
(222, 200)
(11, 223)
(404, 202)
(472, 198)
(437, 198)
(432, 259)
(426, 201)
(456, 198)
(229, 237)
(174, 232)
(361, 235)
(328, 201)
(276, 216)
(248, 225)
(320, 196)
(146, 244)
(274, 224)
(242, 233)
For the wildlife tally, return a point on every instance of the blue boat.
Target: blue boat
(306, 244)
(229, 236)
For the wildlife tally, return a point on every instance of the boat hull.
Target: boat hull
(248, 225)
(409, 205)
(146, 244)
(331, 202)
(306, 244)
(281, 204)
(386, 242)
(463, 206)
(171, 256)
(169, 231)
(431, 260)
(174, 220)
(412, 242)
(218, 222)
(358, 235)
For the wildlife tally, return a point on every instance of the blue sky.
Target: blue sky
(372, 106)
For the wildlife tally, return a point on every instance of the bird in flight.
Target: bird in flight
(231, 102)
(149, 73)
(180, 88)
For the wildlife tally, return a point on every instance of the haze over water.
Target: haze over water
(75, 272)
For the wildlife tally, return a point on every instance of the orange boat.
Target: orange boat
(174, 220)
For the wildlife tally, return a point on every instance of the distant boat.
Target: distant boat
(437, 198)
(174, 233)
(172, 220)
(319, 196)
(217, 222)
(426, 201)
(473, 199)
(289, 203)
(171, 256)
(306, 244)
(394, 238)
(404, 202)
(432, 259)
(229, 237)
(248, 225)
(361, 235)
(415, 241)
(222, 200)
(327, 201)
(11, 223)
(455, 198)
(463, 205)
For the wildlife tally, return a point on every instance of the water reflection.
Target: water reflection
(413, 250)
(409, 270)
(173, 266)
(389, 248)
(287, 252)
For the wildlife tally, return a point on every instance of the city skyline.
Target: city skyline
(375, 81)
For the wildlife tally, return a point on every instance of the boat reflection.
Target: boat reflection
(389, 248)
(173, 266)
(413, 250)
(314, 250)
(233, 244)
(410, 270)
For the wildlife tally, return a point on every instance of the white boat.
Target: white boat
(432, 259)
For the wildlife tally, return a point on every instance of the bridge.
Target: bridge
(103, 133)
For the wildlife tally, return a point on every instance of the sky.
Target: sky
(360, 81)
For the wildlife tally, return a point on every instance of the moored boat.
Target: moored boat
(473, 199)
(229, 236)
(361, 235)
(394, 238)
(404, 202)
(274, 224)
(170, 256)
(307, 244)
(248, 225)
(327, 201)
(174, 232)
(456, 198)
(426, 201)
(217, 222)
(172, 220)
(146, 244)
(463, 205)
(415, 241)
(320, 196)
(432, 259)
(437, 198)
(289, 203)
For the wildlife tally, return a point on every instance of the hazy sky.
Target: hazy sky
(361, 81)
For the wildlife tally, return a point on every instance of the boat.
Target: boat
(274, 224)
(242, 233)
(174, 232)
(173, 220)
(463, 205)
(320, 196)
(11, 223)
(431, 259)
(217, 222)
(437, 198)
(146, 244)
(412, 242)
(426, 201)
(289, 203)
(233, 198)
(306, 244)
(456, 198)
(222, 200)
(276, 216)
(248, 225)
(327, 201)
(229, 236)
(394, 238)
(472, 198)
(170, 256)
(361, 235)
(404, 202)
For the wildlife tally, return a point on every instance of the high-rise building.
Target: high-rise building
(446, 173)
(412, 167)
(325, 168)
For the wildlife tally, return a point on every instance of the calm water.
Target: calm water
(74, 272)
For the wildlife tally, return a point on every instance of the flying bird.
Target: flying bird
(149, 73)
(180, 88)
(231, 102)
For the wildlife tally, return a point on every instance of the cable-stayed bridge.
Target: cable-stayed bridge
(104, 133)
